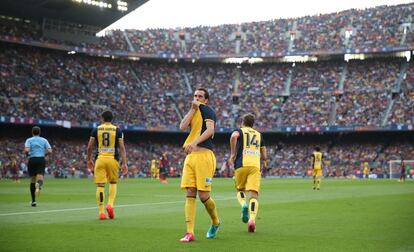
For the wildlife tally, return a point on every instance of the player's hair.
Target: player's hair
(107, 116)
(248, 120)
(317, 148)
(206, 94)
(36, 130)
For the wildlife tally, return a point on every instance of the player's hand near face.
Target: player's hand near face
(195, 104)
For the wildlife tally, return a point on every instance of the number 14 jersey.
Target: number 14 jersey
(248, 147)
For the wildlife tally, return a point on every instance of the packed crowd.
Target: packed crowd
(69, 156)
(284, 158)
(341, 159)
(45, 84)
(369, 28)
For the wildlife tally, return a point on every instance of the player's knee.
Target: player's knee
(203, 195)
(254, 194)
(100, 185)
(191, 192)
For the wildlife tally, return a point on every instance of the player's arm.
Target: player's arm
(26, 148)
(122, 152)
(185, 122)
(263, 156)
(233, 144)
(263, 152)
(48, 148)
(208, 133)
(89, 150)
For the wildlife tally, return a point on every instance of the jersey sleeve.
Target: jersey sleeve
(208, 113)
(47, 145)
(94, 133)
(262, 142)
(119, 134)
(27, 144)
(238, 131)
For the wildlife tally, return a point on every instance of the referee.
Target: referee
(36, 148)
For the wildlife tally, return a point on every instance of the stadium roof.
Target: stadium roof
(100, 13)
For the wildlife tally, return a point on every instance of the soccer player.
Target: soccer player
(200, 162)
(154, 169)
(36, 148)
(246, 150)
(110, 143)
(402, 170)
(164, 166)
(14, 169)
(317, 158)
(366, 170)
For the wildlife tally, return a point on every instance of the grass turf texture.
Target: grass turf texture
(345, 215)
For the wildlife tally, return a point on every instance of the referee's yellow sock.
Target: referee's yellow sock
(190, 213)
(253, 208)
(100, 198)
(112, 194)
(241, 197)
(212, 210)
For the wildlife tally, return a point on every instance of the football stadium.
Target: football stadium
(288, 134)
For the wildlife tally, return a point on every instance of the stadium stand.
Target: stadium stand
(153, 93)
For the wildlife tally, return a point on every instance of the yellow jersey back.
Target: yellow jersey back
(107, 138)
(317, 160)
(248, 148)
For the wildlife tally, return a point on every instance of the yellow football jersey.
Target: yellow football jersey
(317, 157)
(198, 126)
(107, 138)
(248, 148)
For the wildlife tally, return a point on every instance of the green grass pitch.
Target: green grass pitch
(345, 215)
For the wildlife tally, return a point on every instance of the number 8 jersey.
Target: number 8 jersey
(248, 147)
(107, 136)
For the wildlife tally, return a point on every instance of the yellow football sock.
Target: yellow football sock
(314, 182)
(112, 194)
(212, 210)
(190, 213)
(100, 198)
(241, 197)
(318, 183)
(253, 208)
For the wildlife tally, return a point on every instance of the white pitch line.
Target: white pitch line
(90, 208)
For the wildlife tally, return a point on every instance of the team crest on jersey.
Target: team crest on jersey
(208, 181)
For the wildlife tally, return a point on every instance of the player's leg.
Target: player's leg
(32, 174)
(240, 180)
(39, 183)
(314, 180)
(253, 186)
(100, 181)
(253, 209)
(205, 168)
(112, 173)
(211, 208)
(40, 165)
(318, 179)
(33, 190)
(188, 182)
